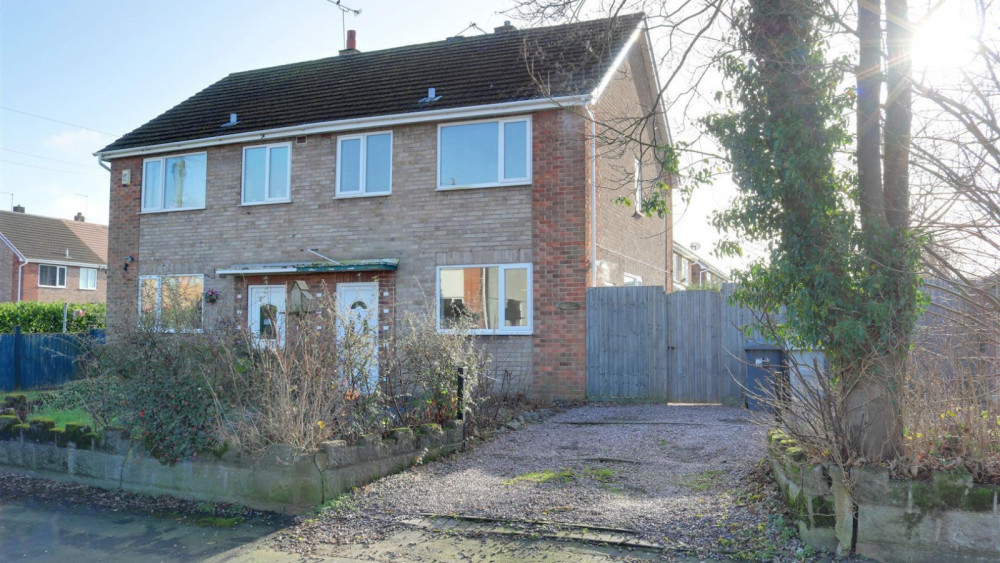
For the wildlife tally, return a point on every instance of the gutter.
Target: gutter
(353, 124)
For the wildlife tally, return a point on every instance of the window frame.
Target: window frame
(501, 330)
(163, 181)
(82, 287)
(363, 137)
(524, 181)
(627, 277)
(159, 301)
(59, 269)
(267, 175)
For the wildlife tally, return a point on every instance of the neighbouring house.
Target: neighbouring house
(691, 270)
(52, 260)
(475, 175)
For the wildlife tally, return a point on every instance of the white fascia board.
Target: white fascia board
(617, 63)
(659, 86)
(254, 272)
(13, 248)
(67, 263)
(355, 124)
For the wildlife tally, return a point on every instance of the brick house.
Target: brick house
(52, 260)
(466, 174)
(693, 270)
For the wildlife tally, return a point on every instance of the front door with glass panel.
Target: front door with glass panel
(358, 304)
(267, 315)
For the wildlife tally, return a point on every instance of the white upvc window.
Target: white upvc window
(487, 298)
(267, 174)
(51, 276)
(682, 268)
(364, 164)
(481, 154)
(88, 278)
(173, 302)
(632, 280)
(638, 186)
(174, 183)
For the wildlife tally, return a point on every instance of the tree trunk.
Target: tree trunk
(869, 84)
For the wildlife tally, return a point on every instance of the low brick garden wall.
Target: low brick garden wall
(279, 480)
(948, 518)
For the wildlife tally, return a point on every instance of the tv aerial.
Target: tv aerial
(344, 10)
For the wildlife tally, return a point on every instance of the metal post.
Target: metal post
(461, 394)
(17, 358)
(65, 312)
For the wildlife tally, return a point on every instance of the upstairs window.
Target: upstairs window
(364, 165)
(266, 173)
(174, 183)
(51, 276)
(88, 278)
(484, 154)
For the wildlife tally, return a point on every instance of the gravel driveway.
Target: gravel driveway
(685, 478)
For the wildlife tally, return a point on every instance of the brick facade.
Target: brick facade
(9, 263)
(628, 242)
(31, 291)
(547, 224)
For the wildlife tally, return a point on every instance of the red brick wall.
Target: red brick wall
(559, 247)
(123, 240)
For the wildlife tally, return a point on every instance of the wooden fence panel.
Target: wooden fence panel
(694, 347)
(33, 361)
(626, 332)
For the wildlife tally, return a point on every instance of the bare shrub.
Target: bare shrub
(950, 407)
(336, 377)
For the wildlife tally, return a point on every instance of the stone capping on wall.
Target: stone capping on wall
(948, 518)
(279, 480)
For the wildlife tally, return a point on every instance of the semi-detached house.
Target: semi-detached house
(478, 174)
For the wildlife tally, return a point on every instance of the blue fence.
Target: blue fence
(35, 361)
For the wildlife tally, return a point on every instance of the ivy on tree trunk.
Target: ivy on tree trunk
(842, 259)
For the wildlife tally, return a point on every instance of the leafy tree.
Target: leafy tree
(842, 260)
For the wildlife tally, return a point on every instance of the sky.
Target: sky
(76, 74)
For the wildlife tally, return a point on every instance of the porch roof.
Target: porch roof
(279, 268)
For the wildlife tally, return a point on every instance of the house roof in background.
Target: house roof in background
(41, 239)
(502, 67)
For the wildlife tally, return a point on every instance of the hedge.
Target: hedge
(48, 317)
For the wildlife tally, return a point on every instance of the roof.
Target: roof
(41, 239)
(363, 265)
(503, 67)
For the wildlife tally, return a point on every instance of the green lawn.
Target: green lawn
(61, 416)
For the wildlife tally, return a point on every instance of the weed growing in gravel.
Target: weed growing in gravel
(602, 475)
(702, 481)
(545, 476)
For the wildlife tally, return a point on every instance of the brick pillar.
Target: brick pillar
(123, 241)
(560, 254)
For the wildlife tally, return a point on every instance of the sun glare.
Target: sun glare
(945, 42)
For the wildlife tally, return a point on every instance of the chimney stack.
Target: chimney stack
(505, 28)
(352, 43)
(79, 217)
(18, 209)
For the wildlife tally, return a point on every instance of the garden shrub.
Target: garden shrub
(34, 317)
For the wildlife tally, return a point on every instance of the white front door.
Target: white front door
(359, 303)
(266, 315)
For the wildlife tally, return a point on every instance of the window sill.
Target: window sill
(482, 332)
(361, 195)
(88, 289)
(52, 286)
(478, 186)
(156, 211)
(259, 203)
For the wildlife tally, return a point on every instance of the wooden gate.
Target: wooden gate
(685, 347)
(626, 329)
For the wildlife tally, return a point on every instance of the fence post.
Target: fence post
(17, 358)
(461, 394)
